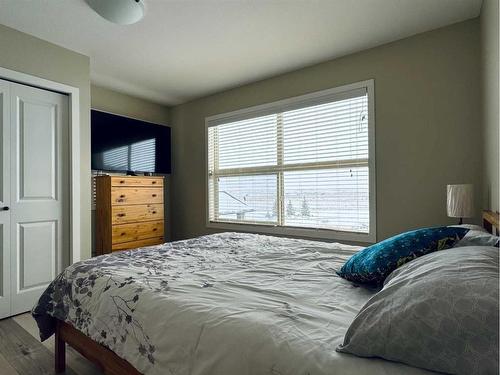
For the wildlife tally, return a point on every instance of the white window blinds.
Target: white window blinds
(305, 167)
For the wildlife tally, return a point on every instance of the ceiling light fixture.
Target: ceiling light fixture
(122, 12)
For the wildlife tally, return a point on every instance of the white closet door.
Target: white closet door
(5, 273)
(39, 191)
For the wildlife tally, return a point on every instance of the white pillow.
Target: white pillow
(471, 227)
(478, 238)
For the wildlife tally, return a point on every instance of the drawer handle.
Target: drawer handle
(155, 229)
(123, 234)
(122, 181)
(122, 196)
(154, 195)
(120, 215)
(154, 212)
(153, 182)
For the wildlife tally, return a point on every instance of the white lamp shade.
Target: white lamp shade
(460, 200)
(122, 12)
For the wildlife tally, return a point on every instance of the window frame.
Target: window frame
(315, 98)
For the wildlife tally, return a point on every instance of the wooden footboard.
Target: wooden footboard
(104, 358)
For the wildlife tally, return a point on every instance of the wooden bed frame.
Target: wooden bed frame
(112, 364)
(490, 222)
(105, 359)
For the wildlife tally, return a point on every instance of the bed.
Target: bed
(228, 303)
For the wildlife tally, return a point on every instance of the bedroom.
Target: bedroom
(419, 82)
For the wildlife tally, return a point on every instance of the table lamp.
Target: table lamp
(460, 201)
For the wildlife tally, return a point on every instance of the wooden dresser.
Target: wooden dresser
(129, 212)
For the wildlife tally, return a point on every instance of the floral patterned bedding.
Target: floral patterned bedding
(227, 303)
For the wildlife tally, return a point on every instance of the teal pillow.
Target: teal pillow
(373, 264)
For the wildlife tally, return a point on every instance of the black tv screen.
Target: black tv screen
(122, 144)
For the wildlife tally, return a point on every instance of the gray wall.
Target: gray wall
(427, 134)
(490, 99)
(428, 111)
(27, 54)
(118, 103)
(112, 101)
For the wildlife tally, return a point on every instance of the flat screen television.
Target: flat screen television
(122, 144)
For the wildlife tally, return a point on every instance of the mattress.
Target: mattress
(228, 303)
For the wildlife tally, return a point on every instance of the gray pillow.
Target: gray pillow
(470, 227)
(438, 312)
(478, 238)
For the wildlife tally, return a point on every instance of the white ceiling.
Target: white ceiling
(184, 49)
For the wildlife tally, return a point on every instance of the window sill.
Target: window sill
(319, 234)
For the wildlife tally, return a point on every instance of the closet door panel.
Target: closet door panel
(37, 150)
(5, 274)
(37, 249)
(39, 187)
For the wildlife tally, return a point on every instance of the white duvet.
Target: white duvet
(222, 304)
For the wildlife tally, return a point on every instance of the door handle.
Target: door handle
(6, 208)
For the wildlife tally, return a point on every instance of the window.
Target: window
(303, 166)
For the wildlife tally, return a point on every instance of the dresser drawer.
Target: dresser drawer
(137, 195)
(138, 212)
(136, 244)
(137, 231)
(136, 181)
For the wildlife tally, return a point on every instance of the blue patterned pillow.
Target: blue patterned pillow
(373, 264)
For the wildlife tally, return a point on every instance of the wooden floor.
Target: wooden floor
(22, 353)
